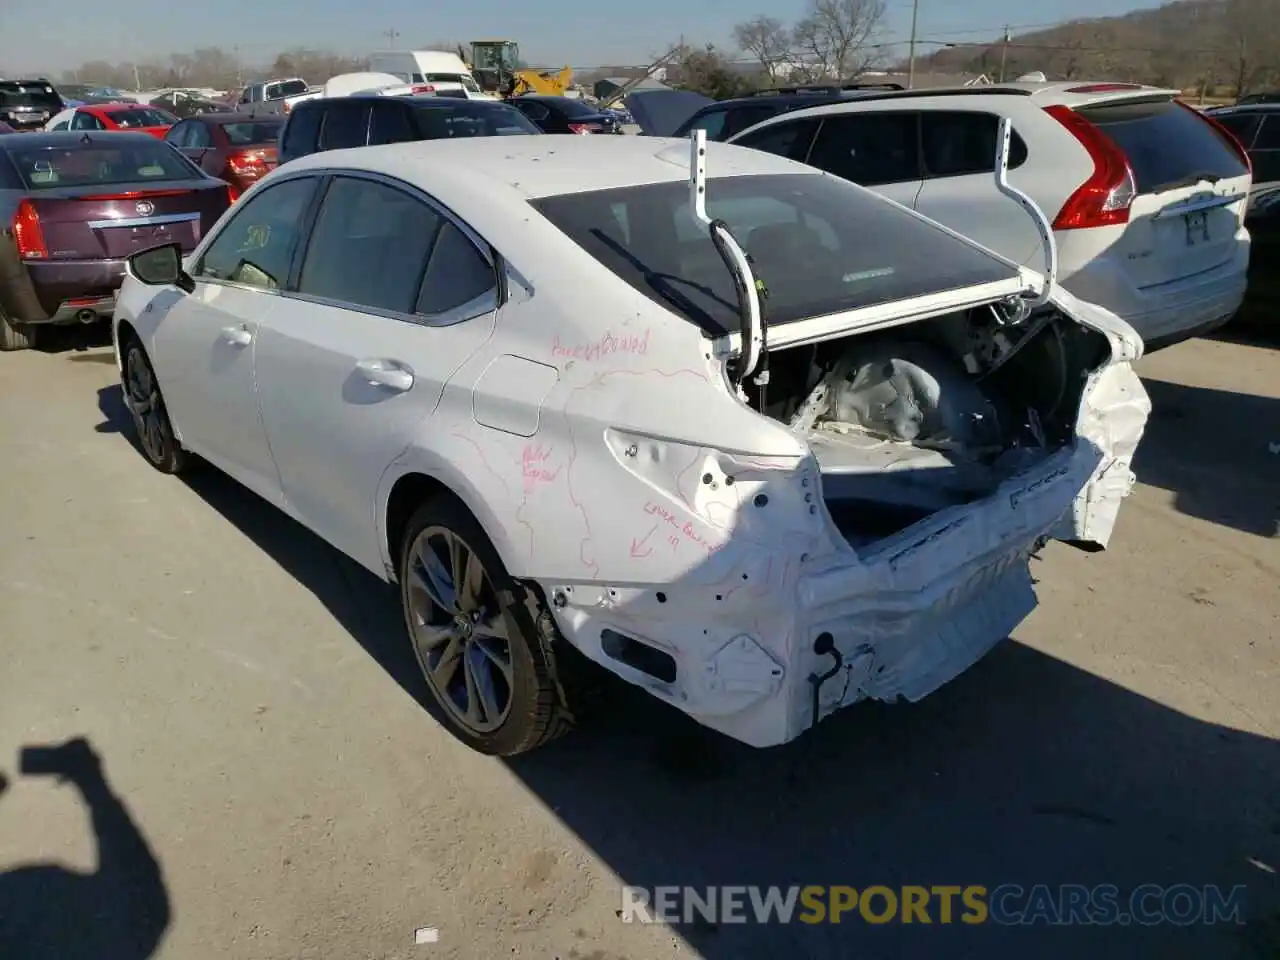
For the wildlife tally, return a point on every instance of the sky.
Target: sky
(581, 33)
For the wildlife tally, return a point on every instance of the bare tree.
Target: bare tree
(1254, 39)
(834, 35)
(767, 40)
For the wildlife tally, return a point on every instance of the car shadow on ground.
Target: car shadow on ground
(1024, 770)
(76, 339)
(1217, 451)
(120, 911)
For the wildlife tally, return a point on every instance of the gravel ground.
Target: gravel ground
(257, 714)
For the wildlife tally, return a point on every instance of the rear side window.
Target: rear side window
(369, 246)
(456, 275)
(301, 131)
(791, 140)
(1243, 125)
(1269, 135)
(871, 149)
(390, 123)
(345, 125)
(1167, 145)
(957, 143)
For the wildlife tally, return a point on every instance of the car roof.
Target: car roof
(1070, 93)
(535, 166)
(233, 117)
(1245, 108)
(68, 138)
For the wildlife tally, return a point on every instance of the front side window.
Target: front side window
(369, 246)
(872, 149)
(820, 246)
(256, 246)
(1269, 133)
(1243, 125)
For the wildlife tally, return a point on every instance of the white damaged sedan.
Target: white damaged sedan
(751, 437)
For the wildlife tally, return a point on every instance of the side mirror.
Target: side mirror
(161, 266)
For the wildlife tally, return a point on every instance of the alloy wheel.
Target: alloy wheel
(460, 632)
(146, 405)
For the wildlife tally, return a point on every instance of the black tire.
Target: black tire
(146, 404)
(15, 336)
(539, 706)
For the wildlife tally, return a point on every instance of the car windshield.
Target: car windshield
(289, 88)
(94, 164)
(819, 244)
(141, 117)
(471, 118)
(247, 133)
(465, 79)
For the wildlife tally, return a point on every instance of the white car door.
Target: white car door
(959, 190)
(204, 345)
(393, 296)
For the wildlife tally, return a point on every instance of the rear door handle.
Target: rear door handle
(241, 336)
(386, 373)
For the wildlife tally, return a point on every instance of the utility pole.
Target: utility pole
(391, 38)
(137, 81)
(911, 54)
(1004, 49)
(235, 52)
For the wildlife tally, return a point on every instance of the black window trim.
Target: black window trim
(487, 302)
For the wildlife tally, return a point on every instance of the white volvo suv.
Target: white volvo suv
(1147, 195)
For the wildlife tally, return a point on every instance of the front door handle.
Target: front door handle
(241, 336)
(386, 373)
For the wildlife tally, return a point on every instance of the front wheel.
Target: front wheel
(475, 636)
(150, 418)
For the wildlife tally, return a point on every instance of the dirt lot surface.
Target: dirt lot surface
(273, 788)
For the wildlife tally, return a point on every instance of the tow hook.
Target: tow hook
(824, 645)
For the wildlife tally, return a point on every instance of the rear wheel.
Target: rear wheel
(150, 418)
(476, 634)
(15, 336)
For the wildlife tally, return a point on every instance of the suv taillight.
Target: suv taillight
(584, 128)
(232, 195)
(1105, 198)
(1225, 132)
(27, 233)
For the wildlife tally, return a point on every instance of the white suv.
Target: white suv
(1146, 196)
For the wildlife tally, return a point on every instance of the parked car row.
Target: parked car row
(1147, 196)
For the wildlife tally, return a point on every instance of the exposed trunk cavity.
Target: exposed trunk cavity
(911, 420)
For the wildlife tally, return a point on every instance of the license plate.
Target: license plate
(1197, 225)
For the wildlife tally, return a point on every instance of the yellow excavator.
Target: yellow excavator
(496, 67)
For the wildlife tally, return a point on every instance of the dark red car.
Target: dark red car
(73, 206)
(234, 147)
(123, 116)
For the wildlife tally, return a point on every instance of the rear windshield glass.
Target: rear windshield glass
(1167, 145)
(247, 133)
(820, 245)
(289, 88)
(18, 94)
(471, 118)
(51, 168)
(576, 108)
(146, 117)
(465, 79)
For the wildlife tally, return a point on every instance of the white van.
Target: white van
(434, 67)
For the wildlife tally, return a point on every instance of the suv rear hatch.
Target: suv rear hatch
(1190, 186)
(27, 103)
